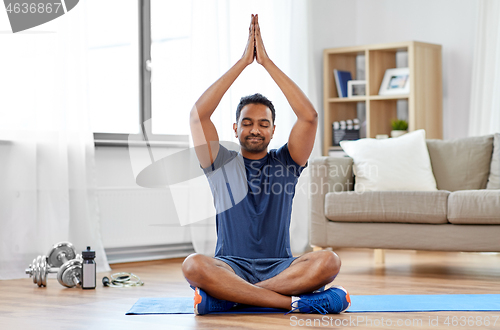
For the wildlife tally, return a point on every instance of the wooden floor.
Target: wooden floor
(25, 306)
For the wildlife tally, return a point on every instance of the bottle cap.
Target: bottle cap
(88, 254)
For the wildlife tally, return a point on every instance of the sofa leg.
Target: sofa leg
(379, 256)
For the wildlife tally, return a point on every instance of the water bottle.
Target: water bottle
(88, 269)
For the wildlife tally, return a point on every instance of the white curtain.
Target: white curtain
(217, 44)
(47, 179)
(485, 96)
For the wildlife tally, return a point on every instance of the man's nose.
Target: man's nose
(255, 130)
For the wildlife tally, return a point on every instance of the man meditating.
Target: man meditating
(253, 192)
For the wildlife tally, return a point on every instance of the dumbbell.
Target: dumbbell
(39, 270)
(61, 255)
(70, 273)
(58, 255)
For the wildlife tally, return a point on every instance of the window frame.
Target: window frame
(145, 101)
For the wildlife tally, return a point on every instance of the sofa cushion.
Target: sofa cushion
(494, 178)
(461, 164)
(339, 174)
(400, 163)
(387, 206)
(474, 207)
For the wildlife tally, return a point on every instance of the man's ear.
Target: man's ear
(272, 134)
(235, 128)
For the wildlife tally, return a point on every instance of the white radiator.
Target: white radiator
(141, 224)
(150, 252)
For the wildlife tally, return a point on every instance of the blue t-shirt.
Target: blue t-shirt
(253, 200)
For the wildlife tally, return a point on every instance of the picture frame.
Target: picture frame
(356, 88)
(395, 82)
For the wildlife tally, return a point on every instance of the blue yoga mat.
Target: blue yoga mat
(425, 303)
(359, 304)
(185, 305)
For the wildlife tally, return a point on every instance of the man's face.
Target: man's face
(255, 127)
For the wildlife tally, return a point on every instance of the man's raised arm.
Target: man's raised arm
(301, 140)
(205, 138)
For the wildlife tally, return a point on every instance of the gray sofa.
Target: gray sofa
(463, 215)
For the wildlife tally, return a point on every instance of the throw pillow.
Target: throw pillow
(461, 164)
(494, 178)
(400, 163)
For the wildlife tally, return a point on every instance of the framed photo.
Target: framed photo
(396, 81)
(356, 88)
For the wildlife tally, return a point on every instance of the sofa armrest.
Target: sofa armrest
(328, 174)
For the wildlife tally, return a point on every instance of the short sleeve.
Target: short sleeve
(283, 156)
(224, 156)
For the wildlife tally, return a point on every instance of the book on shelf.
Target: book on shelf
(341, 79)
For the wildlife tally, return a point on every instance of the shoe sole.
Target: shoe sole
(197, 300)
(347, 296)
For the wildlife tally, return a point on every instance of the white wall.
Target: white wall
(450, 23)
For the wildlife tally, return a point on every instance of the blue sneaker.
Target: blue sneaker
(334, 300)
(204, 304)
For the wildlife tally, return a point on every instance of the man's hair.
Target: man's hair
(255, 99)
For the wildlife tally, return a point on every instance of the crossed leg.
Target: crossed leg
(307, 273)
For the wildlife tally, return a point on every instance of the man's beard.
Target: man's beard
(254, 147)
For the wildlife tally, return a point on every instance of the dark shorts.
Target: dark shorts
(257, 270)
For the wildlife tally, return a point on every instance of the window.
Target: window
(113, 58)
(170, 49)
(138, 60)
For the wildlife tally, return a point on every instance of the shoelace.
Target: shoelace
(316, 304)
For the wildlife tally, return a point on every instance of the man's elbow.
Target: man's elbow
(312, 117)
(194, 115)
